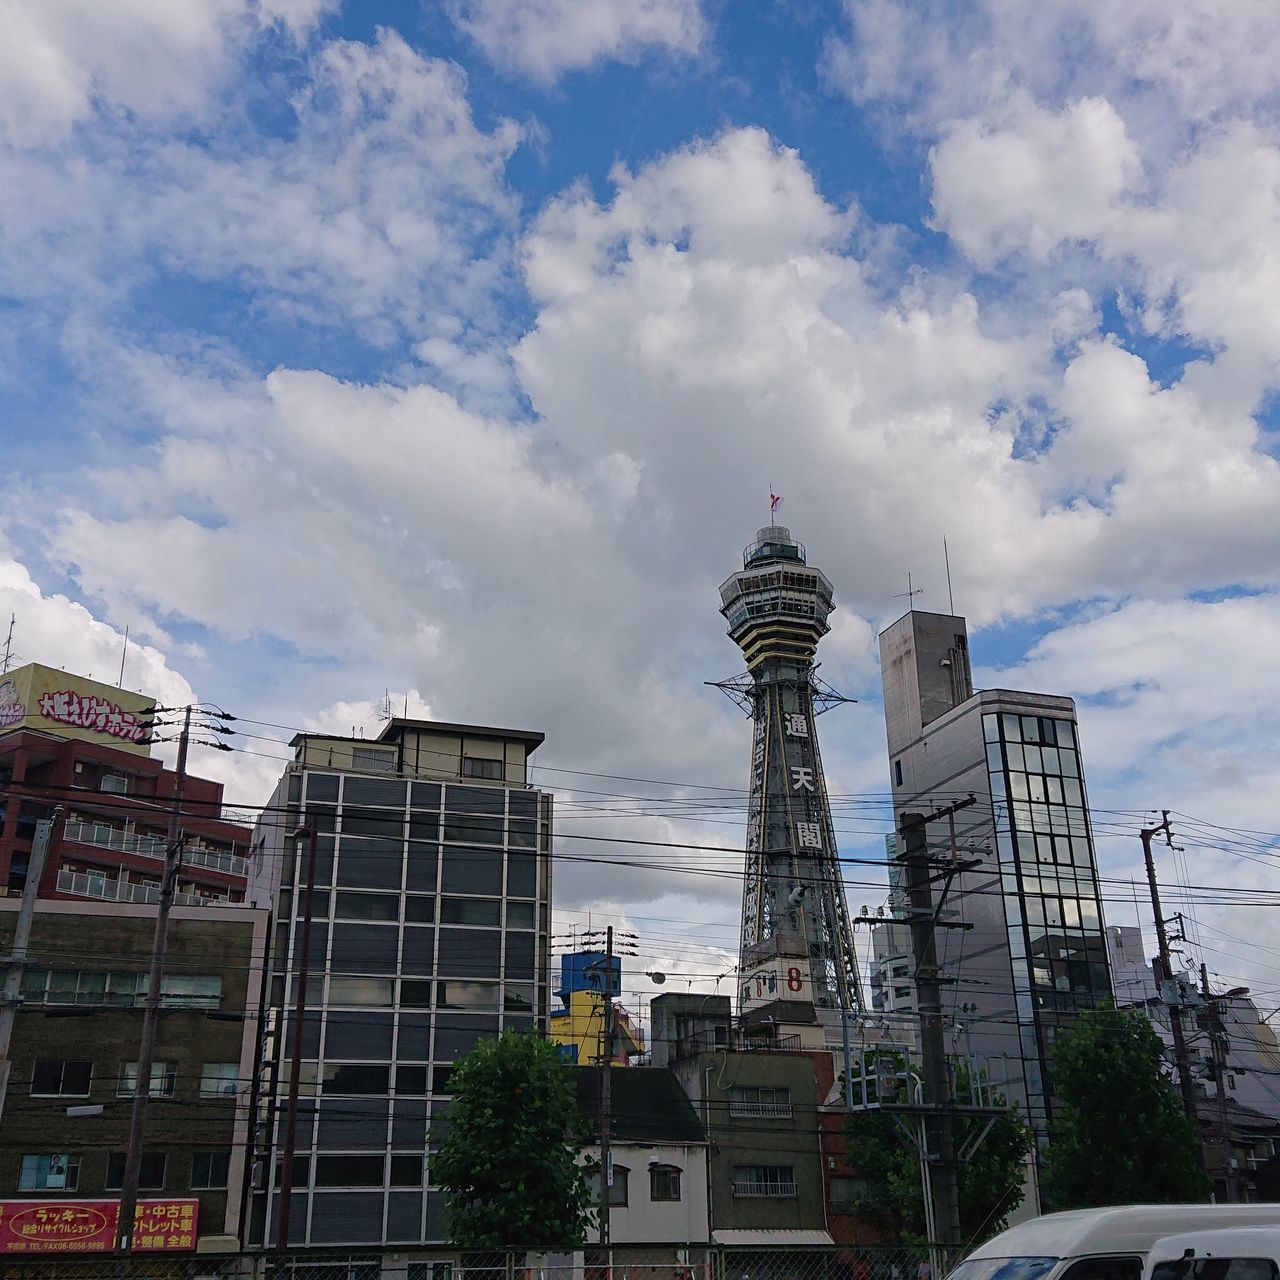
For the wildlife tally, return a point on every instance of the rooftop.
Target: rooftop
(396, 728)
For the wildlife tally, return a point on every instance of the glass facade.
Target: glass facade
(430, 932)
(1049, 885)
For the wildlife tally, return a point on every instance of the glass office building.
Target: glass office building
(430, 931)
(1034, 950)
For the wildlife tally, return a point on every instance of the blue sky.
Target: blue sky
(452, 349)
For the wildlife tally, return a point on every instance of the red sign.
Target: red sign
(89, 1226)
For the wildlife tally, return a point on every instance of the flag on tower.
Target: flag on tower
(774, 501)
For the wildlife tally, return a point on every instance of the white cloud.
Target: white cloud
(153, 59)
(542, 39)
(1039, 179)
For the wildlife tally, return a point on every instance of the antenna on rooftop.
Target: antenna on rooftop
(124, 653)
(384, 708)
(8, 644)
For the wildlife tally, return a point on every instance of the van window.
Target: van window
(1215, 1269)
(1003, 1269)
(1105, 1268)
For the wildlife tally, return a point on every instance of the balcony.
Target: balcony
(773, 1110)
(90, 885)
(102, 836)
(758, 1190)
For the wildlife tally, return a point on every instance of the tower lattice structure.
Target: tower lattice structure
(796, 957)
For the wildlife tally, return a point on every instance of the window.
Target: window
(209, 1170)
(897, 772)
(474, 767)
(1104, 1268)
(773, 1180)
(366, 906)
(150, 1172)
(164, 1077)
(373, 759)
(475, 911)
(116, 783)
(406, 1171)
(49, 1173)
(759, 1100)
(664, 1182)
(61, 1078)
(357, 1078)
(377, 993)
(219, 1079)
(617, 1192)
(349, 1171)
(845, 1193)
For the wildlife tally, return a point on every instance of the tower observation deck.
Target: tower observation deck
(796, 958)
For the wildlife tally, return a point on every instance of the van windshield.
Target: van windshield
(1003, 1269)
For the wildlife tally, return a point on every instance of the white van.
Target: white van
(1100, 1244)
(1229, 1253)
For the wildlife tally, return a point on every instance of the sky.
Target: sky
(448, 352)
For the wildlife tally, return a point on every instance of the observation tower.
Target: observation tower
(796, 960)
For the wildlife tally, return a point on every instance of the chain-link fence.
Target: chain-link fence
(622, 1262)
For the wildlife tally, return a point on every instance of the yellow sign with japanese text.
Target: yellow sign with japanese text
(50, 701)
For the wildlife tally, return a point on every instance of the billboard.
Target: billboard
(49, 701)
(89, 1226)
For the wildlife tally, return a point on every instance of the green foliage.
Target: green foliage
(1119, 1134)
(510, 1157)
(889, 1165)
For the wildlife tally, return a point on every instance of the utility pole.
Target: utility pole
(1186, 1084)
(606, 1091)
(151, 1010)
(939, 1127)
(1218, 1046)
(12, 997)
(302, 956)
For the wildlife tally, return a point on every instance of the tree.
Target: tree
(510, 1157)
(893, 1198)
(1119, 1134)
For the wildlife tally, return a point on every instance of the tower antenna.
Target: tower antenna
(946, 555)
(910, 592)
(8, 644)
(124, 653)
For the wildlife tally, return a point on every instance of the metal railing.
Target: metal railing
(145, 846)
(781, 1190)
(88, 885)
(773, 1110)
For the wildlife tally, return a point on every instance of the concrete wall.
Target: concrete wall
(644, 1220)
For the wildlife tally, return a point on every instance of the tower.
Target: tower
(796, 961)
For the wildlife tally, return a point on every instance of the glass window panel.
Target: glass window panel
(421, 873)
(1089, 914)
(409, 1122)
(991, 728)
(347, 1217)
(476, 911)
(524, 804)
(411, 1079)
(472, 829)
(1030, 729)
(1035, 787)
(471, 953)
(421, 910)
(1018, 788)
(1044, 849)
(520, 962)
(424, 826)
(364, 948)
(425, 795)
(472, 871)
(323, 817)
(375, 993)
(458, 994)
(386, 792)
(1053, 790)
(1051, 761)
(1012, 728)
(370, 863)
(1034, 908)
(457, 1034)
(406, 1171)
(349, 1171)
(522, 833)
(371, 822)
(518, 997)
(1071, 913)
(484, 800)
(522, 875)
(1071, 792)
(322, 787)
(1053, 912)
(366, 906)
(358, 1035)
(1034, 760)
(997, 785)
(520, 915)
(356, 1078)
(415, 995)
(995, 757)
(1066, 733)
(414, 1043)
(418, 957)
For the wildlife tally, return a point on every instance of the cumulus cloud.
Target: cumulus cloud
(543, 39)
(152, 59)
